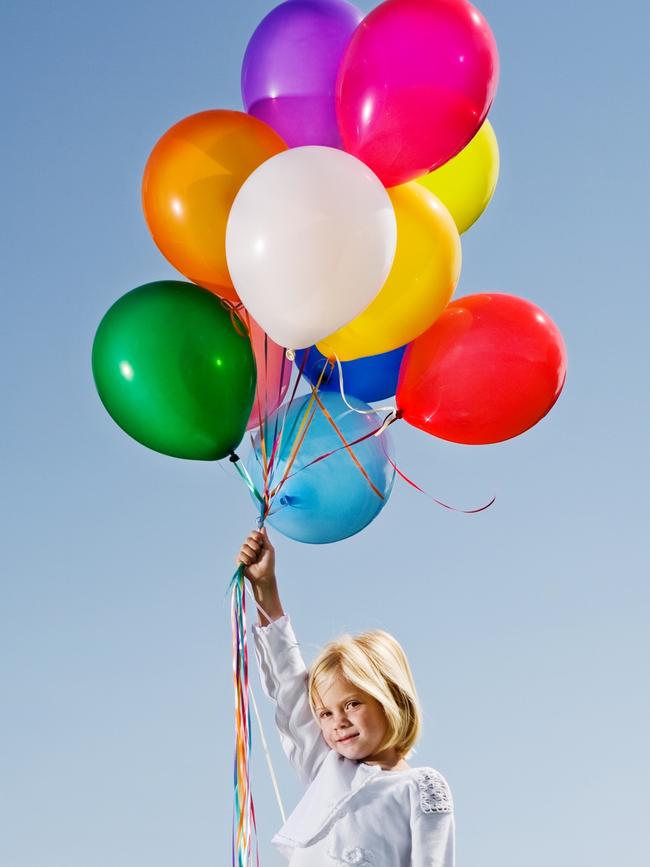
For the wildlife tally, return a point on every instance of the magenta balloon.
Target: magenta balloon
(289, 72)
(415, 85)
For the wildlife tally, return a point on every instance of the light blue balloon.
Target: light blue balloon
(331, 499)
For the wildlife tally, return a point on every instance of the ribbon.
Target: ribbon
(346, 445)
(427, 494)
(391, 409)
(244, 828)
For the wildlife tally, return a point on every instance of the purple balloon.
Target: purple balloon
(288, 77)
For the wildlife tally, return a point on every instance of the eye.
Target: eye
(353, 703)
(324, 713)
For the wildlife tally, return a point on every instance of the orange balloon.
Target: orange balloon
(190, 182)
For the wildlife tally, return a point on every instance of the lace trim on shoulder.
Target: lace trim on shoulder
(435, 796)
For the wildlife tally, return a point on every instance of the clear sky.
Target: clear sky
(526, 625)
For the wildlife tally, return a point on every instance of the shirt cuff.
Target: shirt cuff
(281, 623)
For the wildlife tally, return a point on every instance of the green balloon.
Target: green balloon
(175, 370)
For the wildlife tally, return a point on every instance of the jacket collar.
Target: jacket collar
(337, 780)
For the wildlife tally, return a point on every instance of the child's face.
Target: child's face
(353, 723)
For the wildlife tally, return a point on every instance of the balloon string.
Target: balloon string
(244, 829)
(302, 430)
(234, 309)
(277, 440)
(346, 445)
(245, 475)
(265, 498)
(427, 494)
(277, 415)
(267, 755)
(244, 822)
(259, 720)
(393, 416)
(261, 423)
(391, 409)
(373, 433)
(244, 819)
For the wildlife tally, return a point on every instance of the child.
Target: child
(347, 727)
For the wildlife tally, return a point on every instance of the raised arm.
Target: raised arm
(282, 668)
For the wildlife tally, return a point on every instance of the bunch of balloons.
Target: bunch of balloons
(323, 224)
(325, 220)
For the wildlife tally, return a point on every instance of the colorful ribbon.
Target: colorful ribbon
(244, 831)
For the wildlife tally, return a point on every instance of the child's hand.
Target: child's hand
(258, 556)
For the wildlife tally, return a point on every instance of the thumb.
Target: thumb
(268, 545)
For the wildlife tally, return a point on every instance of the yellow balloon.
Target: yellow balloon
(466, 183)
(424, 275)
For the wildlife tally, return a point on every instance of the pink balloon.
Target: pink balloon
(415, 85)
(273, 372)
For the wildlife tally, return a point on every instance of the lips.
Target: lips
(348, 738)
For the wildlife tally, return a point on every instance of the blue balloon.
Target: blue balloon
(331, 499)
(371, 378)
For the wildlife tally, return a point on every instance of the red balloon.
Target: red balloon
(414, 85)
(490, 367)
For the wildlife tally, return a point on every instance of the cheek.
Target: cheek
(376, 721)
(327, 734)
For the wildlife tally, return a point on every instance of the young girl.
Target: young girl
(347, 726)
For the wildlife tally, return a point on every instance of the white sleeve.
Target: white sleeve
(432, 821)
(284, 680)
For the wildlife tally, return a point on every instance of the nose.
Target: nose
(341, 721)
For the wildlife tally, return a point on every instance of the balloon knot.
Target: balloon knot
(233, 458)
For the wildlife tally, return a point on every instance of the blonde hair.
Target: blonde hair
(375, 663)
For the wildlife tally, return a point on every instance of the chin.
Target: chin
(348, 752)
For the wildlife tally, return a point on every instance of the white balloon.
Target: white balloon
(310, 240)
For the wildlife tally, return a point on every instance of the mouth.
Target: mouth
(347, 739)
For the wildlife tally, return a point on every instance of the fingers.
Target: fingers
(256, 543)
(255, 540)
(259, 538)
(252, 548)
(248, 555)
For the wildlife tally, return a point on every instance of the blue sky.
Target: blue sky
(526, 625)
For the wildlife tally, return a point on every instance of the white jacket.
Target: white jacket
(352, 812)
